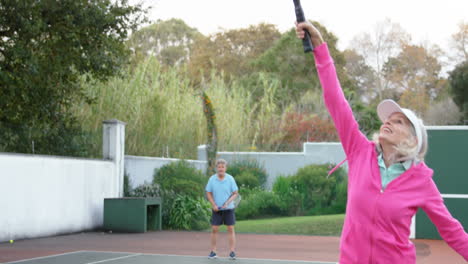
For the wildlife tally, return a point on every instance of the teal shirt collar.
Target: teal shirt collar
(405, 164)
(393, 171)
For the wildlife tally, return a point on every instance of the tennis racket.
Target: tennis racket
(306, 42)
(235, 202)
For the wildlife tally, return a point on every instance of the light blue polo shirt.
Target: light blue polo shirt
(221, 189)
(393, 171)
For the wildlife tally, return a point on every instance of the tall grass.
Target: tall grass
(164, 113)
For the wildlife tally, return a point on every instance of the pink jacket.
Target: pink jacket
(377, 223)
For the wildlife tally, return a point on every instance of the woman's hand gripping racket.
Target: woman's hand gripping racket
(306, 42)
(234, 199)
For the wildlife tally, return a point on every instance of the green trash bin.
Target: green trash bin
(132, 214)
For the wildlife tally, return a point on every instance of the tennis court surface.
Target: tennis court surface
(95, 257)
(163, 247)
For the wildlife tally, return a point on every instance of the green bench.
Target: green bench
(132, 214)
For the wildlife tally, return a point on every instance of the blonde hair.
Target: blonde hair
(407, 149)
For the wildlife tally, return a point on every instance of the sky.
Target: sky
(427, 21)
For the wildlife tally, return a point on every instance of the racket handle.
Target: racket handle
(307, 43)
(300, 17)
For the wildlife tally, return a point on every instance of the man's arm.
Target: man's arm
(209, 195)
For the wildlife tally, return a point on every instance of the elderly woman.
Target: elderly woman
(387, 179)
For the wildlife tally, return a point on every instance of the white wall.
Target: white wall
(287, 163)
(46, 195)
(141, 169)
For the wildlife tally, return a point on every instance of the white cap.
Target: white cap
(388, 107)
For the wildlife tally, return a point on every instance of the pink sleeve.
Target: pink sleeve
(449, 228)
(347, 127)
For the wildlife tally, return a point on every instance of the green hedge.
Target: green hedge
(248, 173)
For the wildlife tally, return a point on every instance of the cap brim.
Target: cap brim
(386, 108)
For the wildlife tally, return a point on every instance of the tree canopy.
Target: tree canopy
(459, 87)
(45, 46)
(170, 41)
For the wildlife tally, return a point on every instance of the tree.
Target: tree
(170, 41)
(362, 74)
(459, 86)
(386, 41)
(443, 113)
(460, 43)
(231, 51)
(45, 46)
(296, 70)
(414, 77)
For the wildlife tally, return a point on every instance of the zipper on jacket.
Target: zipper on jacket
(372, 242)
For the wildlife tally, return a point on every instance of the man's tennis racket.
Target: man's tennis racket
(235, 202)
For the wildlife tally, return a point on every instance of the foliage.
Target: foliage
(152, 98)
(376, 47)
(64, 138)
(308, 192)
(231, 51)
(169, 41)
(366, 115)
(146, 190)
(459, 82)
(127, 185)
(248, 173)
(188, 213)
(161, 103)
(212, 132)
(296, 70)
(311, 192)
(299, 128)
(460, 43)
(363, 75)
(443, 113)
(247, 180)
(175, 179)
(289, 194)
(44, 47)
(415, 72)
(147, 99)
(259, 205)
(181, 178)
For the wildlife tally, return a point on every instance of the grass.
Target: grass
(323, 225)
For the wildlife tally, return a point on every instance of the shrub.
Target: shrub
(302, 127)
(127, 185)
(175, 179)
(289, 194)
(182, 178)
(340, 195)
(248, 173)
(189, 213)
(146, 190)
(311, 192)
(259, 204)
(247, 180)
(314, 186)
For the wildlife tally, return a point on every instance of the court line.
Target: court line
(112, 259)
(462, 196)
(56, 255)
(171, 255)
